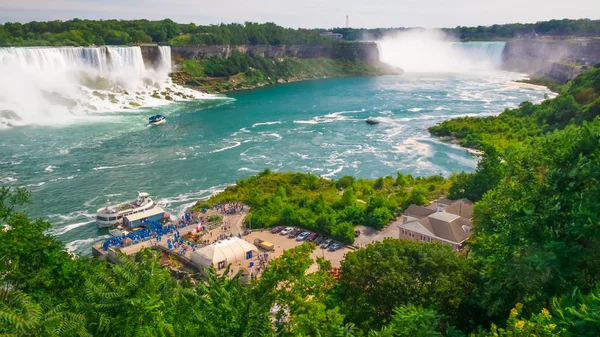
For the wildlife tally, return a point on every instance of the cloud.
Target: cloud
(306, 13)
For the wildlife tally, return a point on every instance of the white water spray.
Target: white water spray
(60, 85)
(422, 50)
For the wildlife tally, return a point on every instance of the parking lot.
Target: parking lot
(283, 242)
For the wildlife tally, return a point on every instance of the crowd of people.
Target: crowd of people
(263, 262)
(229, 208)
(153, 230)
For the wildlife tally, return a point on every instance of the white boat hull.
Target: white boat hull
(162, 121)
(109, 216)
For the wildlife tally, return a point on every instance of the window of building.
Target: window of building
(221, 265)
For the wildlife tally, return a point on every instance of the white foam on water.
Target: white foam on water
(248, 170)
(330, 118)
(41, 183)
(242, 130)
(333, 172)
(7, 180)
(265, 123)
(72, 216)
(100, 168)
(415, 109)
(67, 228)
(50, 168)
(77, 245)
(63, 178)
(226, 148)
(271, 134)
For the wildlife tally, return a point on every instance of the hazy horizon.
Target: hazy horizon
(305, 14)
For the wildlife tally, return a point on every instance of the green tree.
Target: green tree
(139, 36)
(388, 274)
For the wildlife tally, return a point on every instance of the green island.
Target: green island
(530, 267)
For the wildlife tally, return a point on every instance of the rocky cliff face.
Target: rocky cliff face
(560, 60)
(367, 52)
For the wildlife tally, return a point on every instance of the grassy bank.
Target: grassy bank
(242, 71)
(552, 85)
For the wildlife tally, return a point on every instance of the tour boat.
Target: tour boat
(113, 214)
(156, 120)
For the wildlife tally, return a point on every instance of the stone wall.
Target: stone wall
(560, 60)
(367, 52)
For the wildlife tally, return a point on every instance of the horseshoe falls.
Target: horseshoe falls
(430, 51)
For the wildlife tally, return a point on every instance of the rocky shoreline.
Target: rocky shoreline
(215, 85)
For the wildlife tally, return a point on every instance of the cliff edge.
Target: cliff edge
(560, 60)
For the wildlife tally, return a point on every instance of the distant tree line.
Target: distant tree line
(565, 28)
(78, 32)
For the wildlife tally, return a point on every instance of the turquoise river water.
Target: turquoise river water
(314, 126)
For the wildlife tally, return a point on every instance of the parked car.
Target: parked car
(326, 243)
(286, 231)
(335, 246)
(302, 236)
(319, 239)
(311, 237)
(277, 229)
(294, 232)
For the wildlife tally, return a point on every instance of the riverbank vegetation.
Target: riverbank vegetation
(242, 71)
(544, 81)
(331, 207)
(578, 102)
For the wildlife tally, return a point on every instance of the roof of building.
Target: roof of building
(418, 211)
(445, 201)
(145, 214)
(230, 251)
(447, 226)
(462, 207)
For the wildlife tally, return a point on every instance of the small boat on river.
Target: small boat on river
(157, 119)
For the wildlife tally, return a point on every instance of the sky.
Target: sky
(307, 13)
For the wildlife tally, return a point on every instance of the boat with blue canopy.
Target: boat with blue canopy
(157, 119)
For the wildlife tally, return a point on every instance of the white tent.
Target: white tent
(223, 253)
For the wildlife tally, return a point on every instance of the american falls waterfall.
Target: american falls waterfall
(44, 85)
(422, 50)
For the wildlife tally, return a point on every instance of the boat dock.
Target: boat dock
(213, 232)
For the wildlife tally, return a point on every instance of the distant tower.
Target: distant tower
(347, 21)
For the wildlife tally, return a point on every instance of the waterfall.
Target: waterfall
(165, 57)
(44, 85)
(488, 52)
(430, 51)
